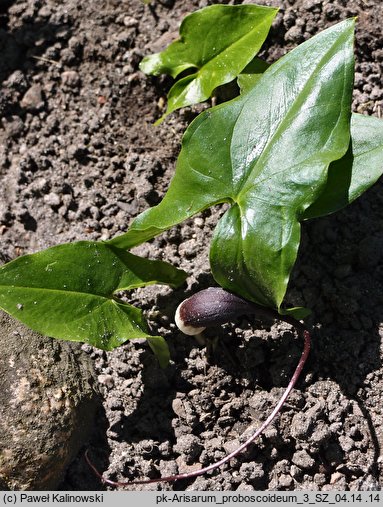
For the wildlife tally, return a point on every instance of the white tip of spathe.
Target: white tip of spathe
(189, 330)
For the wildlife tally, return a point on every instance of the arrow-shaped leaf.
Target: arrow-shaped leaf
(267, 154)
(69, 292)
(217, 42)
(353, 174)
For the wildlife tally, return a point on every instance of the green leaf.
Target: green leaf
(298, 312)
(353, 174)
(267, 154)
(69, 292)
(217, 42)
(251, 74)
(356, 171)
(160, 349)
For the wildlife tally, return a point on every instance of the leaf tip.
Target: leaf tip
(163, 117)
(298, 312)
(151, 64)
(159, 121)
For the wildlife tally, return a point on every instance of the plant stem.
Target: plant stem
(189, 475)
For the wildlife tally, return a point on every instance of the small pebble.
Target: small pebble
(70, 78)
(303, 460)
(33, 99)
(52, 199)
(106, 380)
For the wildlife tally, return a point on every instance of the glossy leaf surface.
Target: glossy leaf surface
(358, 170)
(251, 74)
(216, 42)
(68, 292)
(353, 174)
(267, 154)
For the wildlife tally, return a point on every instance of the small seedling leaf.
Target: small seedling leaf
(267, 154)
(69, 292)
(216, 43)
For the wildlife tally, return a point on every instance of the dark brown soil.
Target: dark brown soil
(80, 158)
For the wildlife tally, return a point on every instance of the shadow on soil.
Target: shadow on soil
(345, 348)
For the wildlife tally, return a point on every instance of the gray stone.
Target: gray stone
(312, 4)
(33, 99)
(294, 34)
(48, 401)
(303, 460)
(13, 126)
(70, 78)
(52, 199)
(189, 446)
(130, 22)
